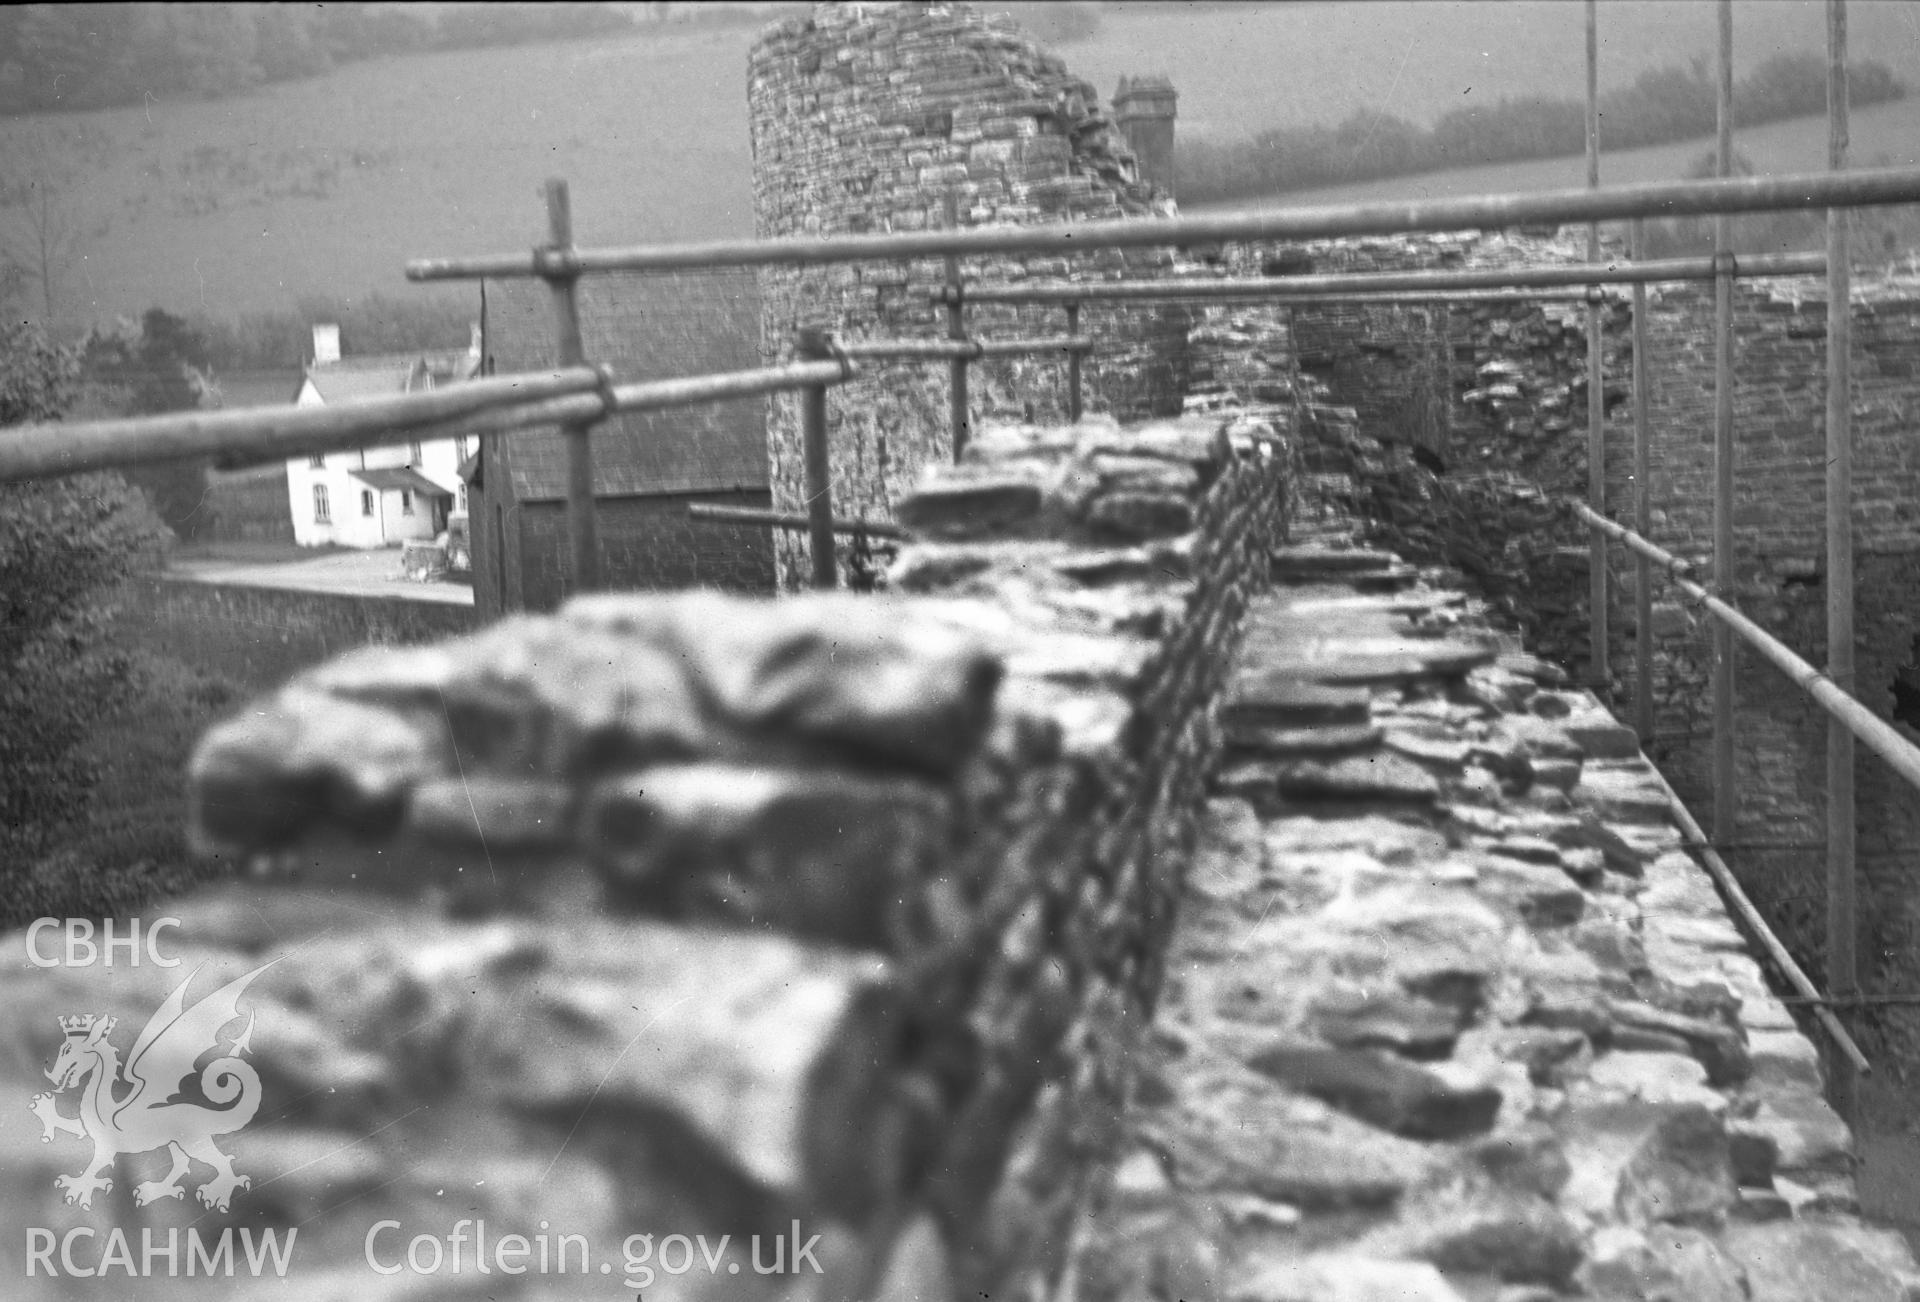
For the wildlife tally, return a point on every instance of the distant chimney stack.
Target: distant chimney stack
(326, 344)
(1144, 109)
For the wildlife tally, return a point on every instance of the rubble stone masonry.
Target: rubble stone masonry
(1501, 387)
(1150, 893)
(866, 117)
(701, 914)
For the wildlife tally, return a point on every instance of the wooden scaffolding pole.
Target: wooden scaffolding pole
(1597, 657)
(1843, 976)
(1724, 806)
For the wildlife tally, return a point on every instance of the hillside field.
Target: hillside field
(330, 185)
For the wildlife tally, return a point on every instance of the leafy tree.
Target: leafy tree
(359, 31)
(470, 26)
(43, 230)
(64, 546)
(1757, 232)
(164, 368)
(375, 323)
(290, 42)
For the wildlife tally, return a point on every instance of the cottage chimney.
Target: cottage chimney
(1144, 108)
(326, 344)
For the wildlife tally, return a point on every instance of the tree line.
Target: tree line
(86, 711)
(1663, 105)
(59, 58)
(282, 338)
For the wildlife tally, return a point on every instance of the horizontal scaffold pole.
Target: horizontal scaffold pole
(944, 349)
(500, 404)
(1874, 732)
(1418, 296)
(45, 449)
(1478, 212)
(1756, 925)
(789, 520)
(1282, 287)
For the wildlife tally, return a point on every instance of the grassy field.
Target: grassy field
(329, 186)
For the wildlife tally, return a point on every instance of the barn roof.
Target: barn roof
(644, 327)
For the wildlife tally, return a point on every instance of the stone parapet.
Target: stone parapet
(690, 914)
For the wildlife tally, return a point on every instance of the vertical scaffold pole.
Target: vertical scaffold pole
(1073, 364)
(1843, 976)
(1597, 655)
(583, 536)
(1642, 499)
(956, 329)
(1724, 807)
(811, 344)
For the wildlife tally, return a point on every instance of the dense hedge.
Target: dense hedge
(64, 544)
(1663, 105)
(95, 728)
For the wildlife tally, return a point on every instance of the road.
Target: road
(360, 574)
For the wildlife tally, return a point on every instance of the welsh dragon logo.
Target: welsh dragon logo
(140, 1107)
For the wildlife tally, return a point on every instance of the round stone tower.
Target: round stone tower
(867, 117)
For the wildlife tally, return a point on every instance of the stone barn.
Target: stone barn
(648, 467)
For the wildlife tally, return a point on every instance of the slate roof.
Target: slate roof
(645, 326)
(338, 382)
(243, 389)
(378, 375)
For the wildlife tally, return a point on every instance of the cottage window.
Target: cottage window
(463, 499)
(406, 502)
(366, 501)
(322, 514)
(317, 463)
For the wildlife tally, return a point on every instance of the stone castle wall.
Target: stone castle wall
(703, 914)
(838, 920)
(865, 118)
(1503, 387)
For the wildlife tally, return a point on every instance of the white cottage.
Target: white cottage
(378, 497)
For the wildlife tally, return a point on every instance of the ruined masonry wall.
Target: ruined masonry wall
(1512, 396)
(1453, 1014)
(864, 118)
(707, 915)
